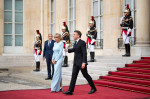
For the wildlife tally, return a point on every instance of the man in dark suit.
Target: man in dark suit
(80, 63)
(48, 53)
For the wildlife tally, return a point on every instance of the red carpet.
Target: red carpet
(134, 77)
(134, 70)
(138, 65)
(142, 61)
(80, 93)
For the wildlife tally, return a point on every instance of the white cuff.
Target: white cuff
(67, 45)
(93, 40)
(129, 30)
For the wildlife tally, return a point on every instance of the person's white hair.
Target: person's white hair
(58, 35)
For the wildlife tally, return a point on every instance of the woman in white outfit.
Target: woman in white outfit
(57, 60)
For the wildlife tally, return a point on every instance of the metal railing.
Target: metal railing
(99, 43)
(121, 43)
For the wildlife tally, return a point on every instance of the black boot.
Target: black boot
(92, 55)
(65, 62)
(125, 51)
(37, 66)
(128, 50)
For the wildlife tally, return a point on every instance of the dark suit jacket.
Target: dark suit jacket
(80, 53)
(48, 51)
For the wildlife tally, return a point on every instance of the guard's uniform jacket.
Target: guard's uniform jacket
(92, 34)
(66, 38)
(38, 47)
(127, 23)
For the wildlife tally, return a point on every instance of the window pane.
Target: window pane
(71, 3)
(95, 5)
(18, 40)
(7, 4)
(52, 5)
(71, 14)
(18, 28)
(52, 17)
(71, 27)
(134, 21)
(134, 4)
(53, 28)
(101, 23)
(19, 5)
(7, 16)
(7, 40)
(101, 9)
(18, 17)
(8, 28)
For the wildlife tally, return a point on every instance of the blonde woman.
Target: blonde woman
(57, 60)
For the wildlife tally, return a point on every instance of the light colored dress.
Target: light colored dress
(56, 83)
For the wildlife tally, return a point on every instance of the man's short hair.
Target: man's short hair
(50, 34)
(78, 32)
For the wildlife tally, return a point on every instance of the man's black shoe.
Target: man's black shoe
(92, 91)
(48, 78)
(65, 65)
(68, 93)
(36, 70)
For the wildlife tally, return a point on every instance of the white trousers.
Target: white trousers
(91, 47)
(65, 53)
(37, 57)
(126, 39)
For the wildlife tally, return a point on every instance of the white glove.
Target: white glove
(93, 40)
(67, 45)
(129, 30)
(38, 51)
(121, 20)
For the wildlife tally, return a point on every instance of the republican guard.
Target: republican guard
(126, 23)
(37, 50)
(66, 41)
(91, 38)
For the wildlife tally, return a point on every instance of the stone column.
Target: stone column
(143, 23)
(83, 13)
(142, 47)
(112, 11)
(61, 14)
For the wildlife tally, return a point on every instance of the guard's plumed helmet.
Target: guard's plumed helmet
(93, 21)
(39, 35)
(127, 9)
(64, 25)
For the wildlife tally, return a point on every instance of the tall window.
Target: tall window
(72, 17)
(13, 22)
(132, 5)
(52, 16)
(97, 12)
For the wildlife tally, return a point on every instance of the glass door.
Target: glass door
(13, 26)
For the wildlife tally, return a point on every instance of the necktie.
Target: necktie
(49, 44)
(75, 43)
